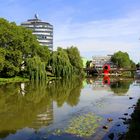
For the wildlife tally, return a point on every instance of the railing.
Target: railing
(93, 71)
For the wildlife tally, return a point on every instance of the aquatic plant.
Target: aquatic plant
(82, 126)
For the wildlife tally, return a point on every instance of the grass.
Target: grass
(134, 128)
(20, 79)
(13, 80)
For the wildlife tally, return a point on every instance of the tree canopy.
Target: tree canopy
(16, 43)
(75, 59)
(20, 53)
(122, 60)
(60, 63)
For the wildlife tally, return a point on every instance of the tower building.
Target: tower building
(43, 31)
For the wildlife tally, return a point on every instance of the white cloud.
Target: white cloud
(103, 35)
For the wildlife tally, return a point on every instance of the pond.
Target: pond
(96, 108)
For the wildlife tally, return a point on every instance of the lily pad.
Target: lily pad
(83, 126)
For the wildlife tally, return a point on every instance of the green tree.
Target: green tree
(88, 64)
(60, 63)
(18, 44)
(36, 68)
(2, 58)
(75, 59)
(138, 66)
(44, 53)
(133, 65)
(122, 60)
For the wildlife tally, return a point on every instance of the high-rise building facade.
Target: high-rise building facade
(43, 31)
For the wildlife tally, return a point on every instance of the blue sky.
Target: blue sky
(96, 27)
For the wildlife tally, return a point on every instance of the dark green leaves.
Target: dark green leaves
(122, 60)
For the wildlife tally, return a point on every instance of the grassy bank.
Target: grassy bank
(21, 79)
(134, 128)
(13, 80)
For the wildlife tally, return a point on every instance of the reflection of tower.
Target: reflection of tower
(22, 89)
(44, 119)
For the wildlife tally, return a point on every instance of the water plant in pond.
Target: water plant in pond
(82, 126)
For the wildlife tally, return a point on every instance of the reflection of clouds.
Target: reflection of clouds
(105, 36)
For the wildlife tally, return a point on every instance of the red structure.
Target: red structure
(106, 69)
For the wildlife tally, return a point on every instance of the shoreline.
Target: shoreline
(13, 80)
(19, 79)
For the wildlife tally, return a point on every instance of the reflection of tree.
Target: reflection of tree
(120, 87)
(17, 111)
(73, 97)
(66, 91)
(35, 107)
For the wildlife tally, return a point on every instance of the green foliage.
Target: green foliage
(60, 63)
(75, 60)
(17, 43)
(12, 80)
(36, 68)
(88, 64)
(134, 127)
(133, 65)
(20, 53)
(82, 126)
(12, 63)
(122, 60)
(44, 53)
(66, 62)
(2, 58)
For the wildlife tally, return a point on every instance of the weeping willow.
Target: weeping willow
(61, 65)
(36, 69)
(65, 91)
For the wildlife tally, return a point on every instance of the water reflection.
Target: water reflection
(31, 104)
(66, 91)
(99, 83)
(17, 111)
(106, 80)
(119, 86)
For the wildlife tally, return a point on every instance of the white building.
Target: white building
(43, 31)
(99, 61)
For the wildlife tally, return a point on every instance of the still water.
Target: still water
(37, 111)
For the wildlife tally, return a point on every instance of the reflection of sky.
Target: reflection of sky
(25, 134)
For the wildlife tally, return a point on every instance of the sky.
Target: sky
(96, 27)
